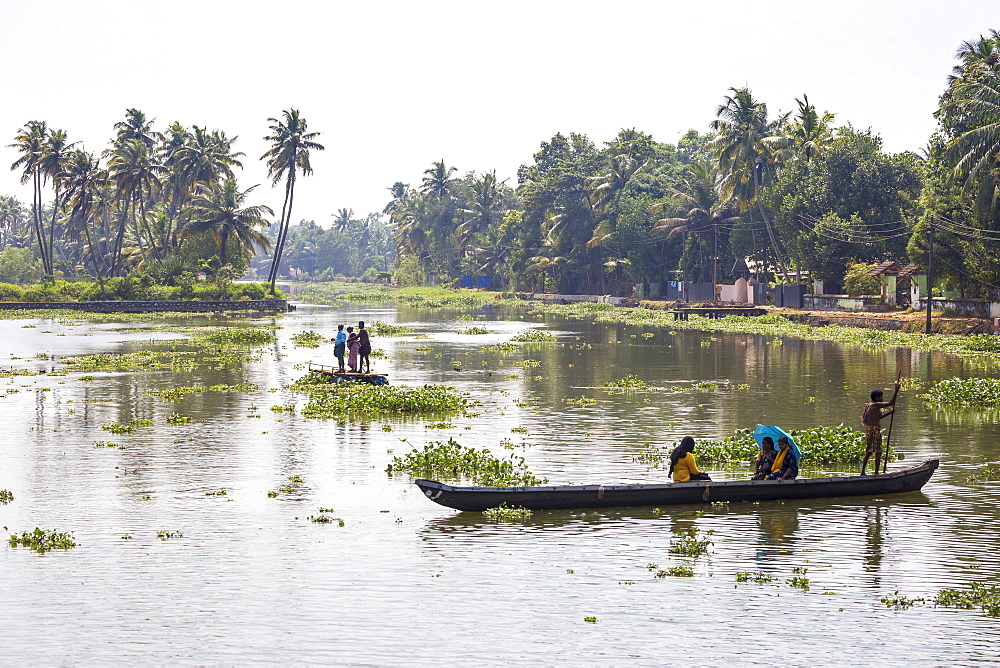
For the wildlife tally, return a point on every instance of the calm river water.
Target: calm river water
(405, 581)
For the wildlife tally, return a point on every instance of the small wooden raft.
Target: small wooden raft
(714, 312)
(342, 376)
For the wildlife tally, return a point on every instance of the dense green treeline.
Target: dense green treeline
(795, 196)
(161, 204)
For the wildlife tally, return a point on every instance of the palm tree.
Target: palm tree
(207, 156)
(219, 209)
(486, 208)
(343, 220)
(289, 154)
(411, 221)
(30, 142)
(135, 171)
(629, 153)
(399, 192)
(136, 126)
(54, 156)
(11, 218)
(704, 213)
(365, 230)
(973, 54)
(811, 133)
(544, 264)
(203, 157)
(437, 179)
(84, 181)
(746, 145)
(975, 151)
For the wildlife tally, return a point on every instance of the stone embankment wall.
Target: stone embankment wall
(269, 305)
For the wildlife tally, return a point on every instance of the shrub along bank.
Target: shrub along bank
(132, 289)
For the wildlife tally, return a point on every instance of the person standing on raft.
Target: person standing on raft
(339, 346)
(364, 348)
(871, 418)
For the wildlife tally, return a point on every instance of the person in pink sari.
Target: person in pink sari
(353, 344)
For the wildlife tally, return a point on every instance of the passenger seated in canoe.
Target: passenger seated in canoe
(682, 464)
(785, 466)
(765, 459)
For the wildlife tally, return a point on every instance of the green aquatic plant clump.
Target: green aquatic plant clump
(177, 393)
(533, 336)
(143, 360)
(308, 339)
(475, 330)
(898, 602)
(6, 496)
(389, 328)
(627, 382)
(42, 540)
(505, 513)
(354, 400)
(688, 545)
(451, 461)
(127, 428)
(756, 577)
(502, 347)
(978, 595)
(175, 418)
(988, 473)
(974, 392)
(239, 337)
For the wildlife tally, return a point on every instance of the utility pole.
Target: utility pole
(930, 272)
(715, 257)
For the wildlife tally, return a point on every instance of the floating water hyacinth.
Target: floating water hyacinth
(388, 329)
(627, 382)
(353, 400)
(533, 336)
(308, 339)
(505, 513)
(974, 392)
(475, 330)
(980, 595)
(450, 460)
(42, 540)
(688, 545)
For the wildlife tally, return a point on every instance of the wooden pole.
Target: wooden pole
(888, 437)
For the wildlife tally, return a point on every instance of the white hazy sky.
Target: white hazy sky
(393, 86)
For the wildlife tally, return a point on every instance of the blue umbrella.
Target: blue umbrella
(775, 433)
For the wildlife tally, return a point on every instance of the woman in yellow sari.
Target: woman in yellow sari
(786, 464)
(682, 465)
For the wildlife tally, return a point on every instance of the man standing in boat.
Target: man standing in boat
(871, 418)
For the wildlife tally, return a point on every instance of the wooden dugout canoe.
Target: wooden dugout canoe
(670, 494)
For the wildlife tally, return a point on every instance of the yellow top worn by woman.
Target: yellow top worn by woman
(684, 468)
